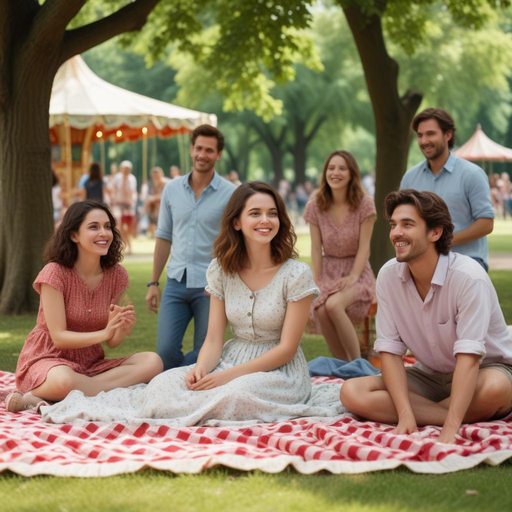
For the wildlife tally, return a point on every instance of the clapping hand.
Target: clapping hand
(122, 319)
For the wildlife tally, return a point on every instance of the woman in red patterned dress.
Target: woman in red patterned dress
(341, 218)
(80, 287)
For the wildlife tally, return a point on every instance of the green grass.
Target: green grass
(500, 240)
(221, 489)
(224, 490)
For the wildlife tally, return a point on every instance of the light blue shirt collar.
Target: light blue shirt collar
(214, 183)
(449, 165)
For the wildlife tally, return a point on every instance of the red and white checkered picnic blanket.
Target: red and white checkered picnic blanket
(30, 447)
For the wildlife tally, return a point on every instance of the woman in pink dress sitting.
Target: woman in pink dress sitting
(80, 287)
(341, 218)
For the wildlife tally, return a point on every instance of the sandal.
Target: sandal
(16, 402)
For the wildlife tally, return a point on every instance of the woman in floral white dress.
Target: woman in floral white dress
(261, 374)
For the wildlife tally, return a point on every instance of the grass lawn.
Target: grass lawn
(221, 489)
(500, 240)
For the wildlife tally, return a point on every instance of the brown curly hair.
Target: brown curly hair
(229, 247)
(430, 207)
(355, 191)
(62, 250)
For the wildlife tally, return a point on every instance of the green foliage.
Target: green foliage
(406, 21)
(463, 73)
(236, 55)
(255, 43)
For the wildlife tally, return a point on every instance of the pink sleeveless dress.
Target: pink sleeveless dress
(340, 244)
(86, 311)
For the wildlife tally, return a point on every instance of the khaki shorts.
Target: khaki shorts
(437, 386)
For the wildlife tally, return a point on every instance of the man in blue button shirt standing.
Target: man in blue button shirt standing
(191, 210)
(462, 184)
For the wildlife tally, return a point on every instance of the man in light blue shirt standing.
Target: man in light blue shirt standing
(463, 185)
(191, 210)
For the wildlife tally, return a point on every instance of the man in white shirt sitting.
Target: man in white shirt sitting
(443, 307)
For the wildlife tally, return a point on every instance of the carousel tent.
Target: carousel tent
(85, 109)
(82, 99)
(482, 149)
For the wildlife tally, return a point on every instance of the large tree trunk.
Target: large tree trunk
(393, 116)
(276, 155)
(34, 42)
(274, 145)
(300, 148)
(26, 210)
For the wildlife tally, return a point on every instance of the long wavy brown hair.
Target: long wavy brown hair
(355, 191)
(229, 247)
(62, 250)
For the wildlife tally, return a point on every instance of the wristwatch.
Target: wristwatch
(152, 283)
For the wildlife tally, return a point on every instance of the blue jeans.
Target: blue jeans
(482, 262)
(179, 304)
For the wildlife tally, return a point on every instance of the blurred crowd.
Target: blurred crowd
(136, 210)
(501, 194)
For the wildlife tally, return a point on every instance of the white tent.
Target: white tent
(85, 109)
(83, 99)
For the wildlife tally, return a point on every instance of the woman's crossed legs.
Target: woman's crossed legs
(337, 327)
(61, 380)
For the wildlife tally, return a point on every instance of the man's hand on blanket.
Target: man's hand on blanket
(194, 376)
(213, 380)
(447, 435)
(406, 424)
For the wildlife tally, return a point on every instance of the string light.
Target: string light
(119, 133)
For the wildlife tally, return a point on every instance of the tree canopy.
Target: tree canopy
(247, 47)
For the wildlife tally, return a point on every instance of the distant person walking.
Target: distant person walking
(156, 186)
(124, 191)
(341, 218)
(94, 187)
(58, 203)
(191, 209)
(233, 178)
(461, 184)
(174, 172)
(505, 192)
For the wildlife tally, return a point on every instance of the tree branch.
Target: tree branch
(16, 18)
(411, 100)
(129, 18)
(52, 19)
(319, 122)
(265, 134)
